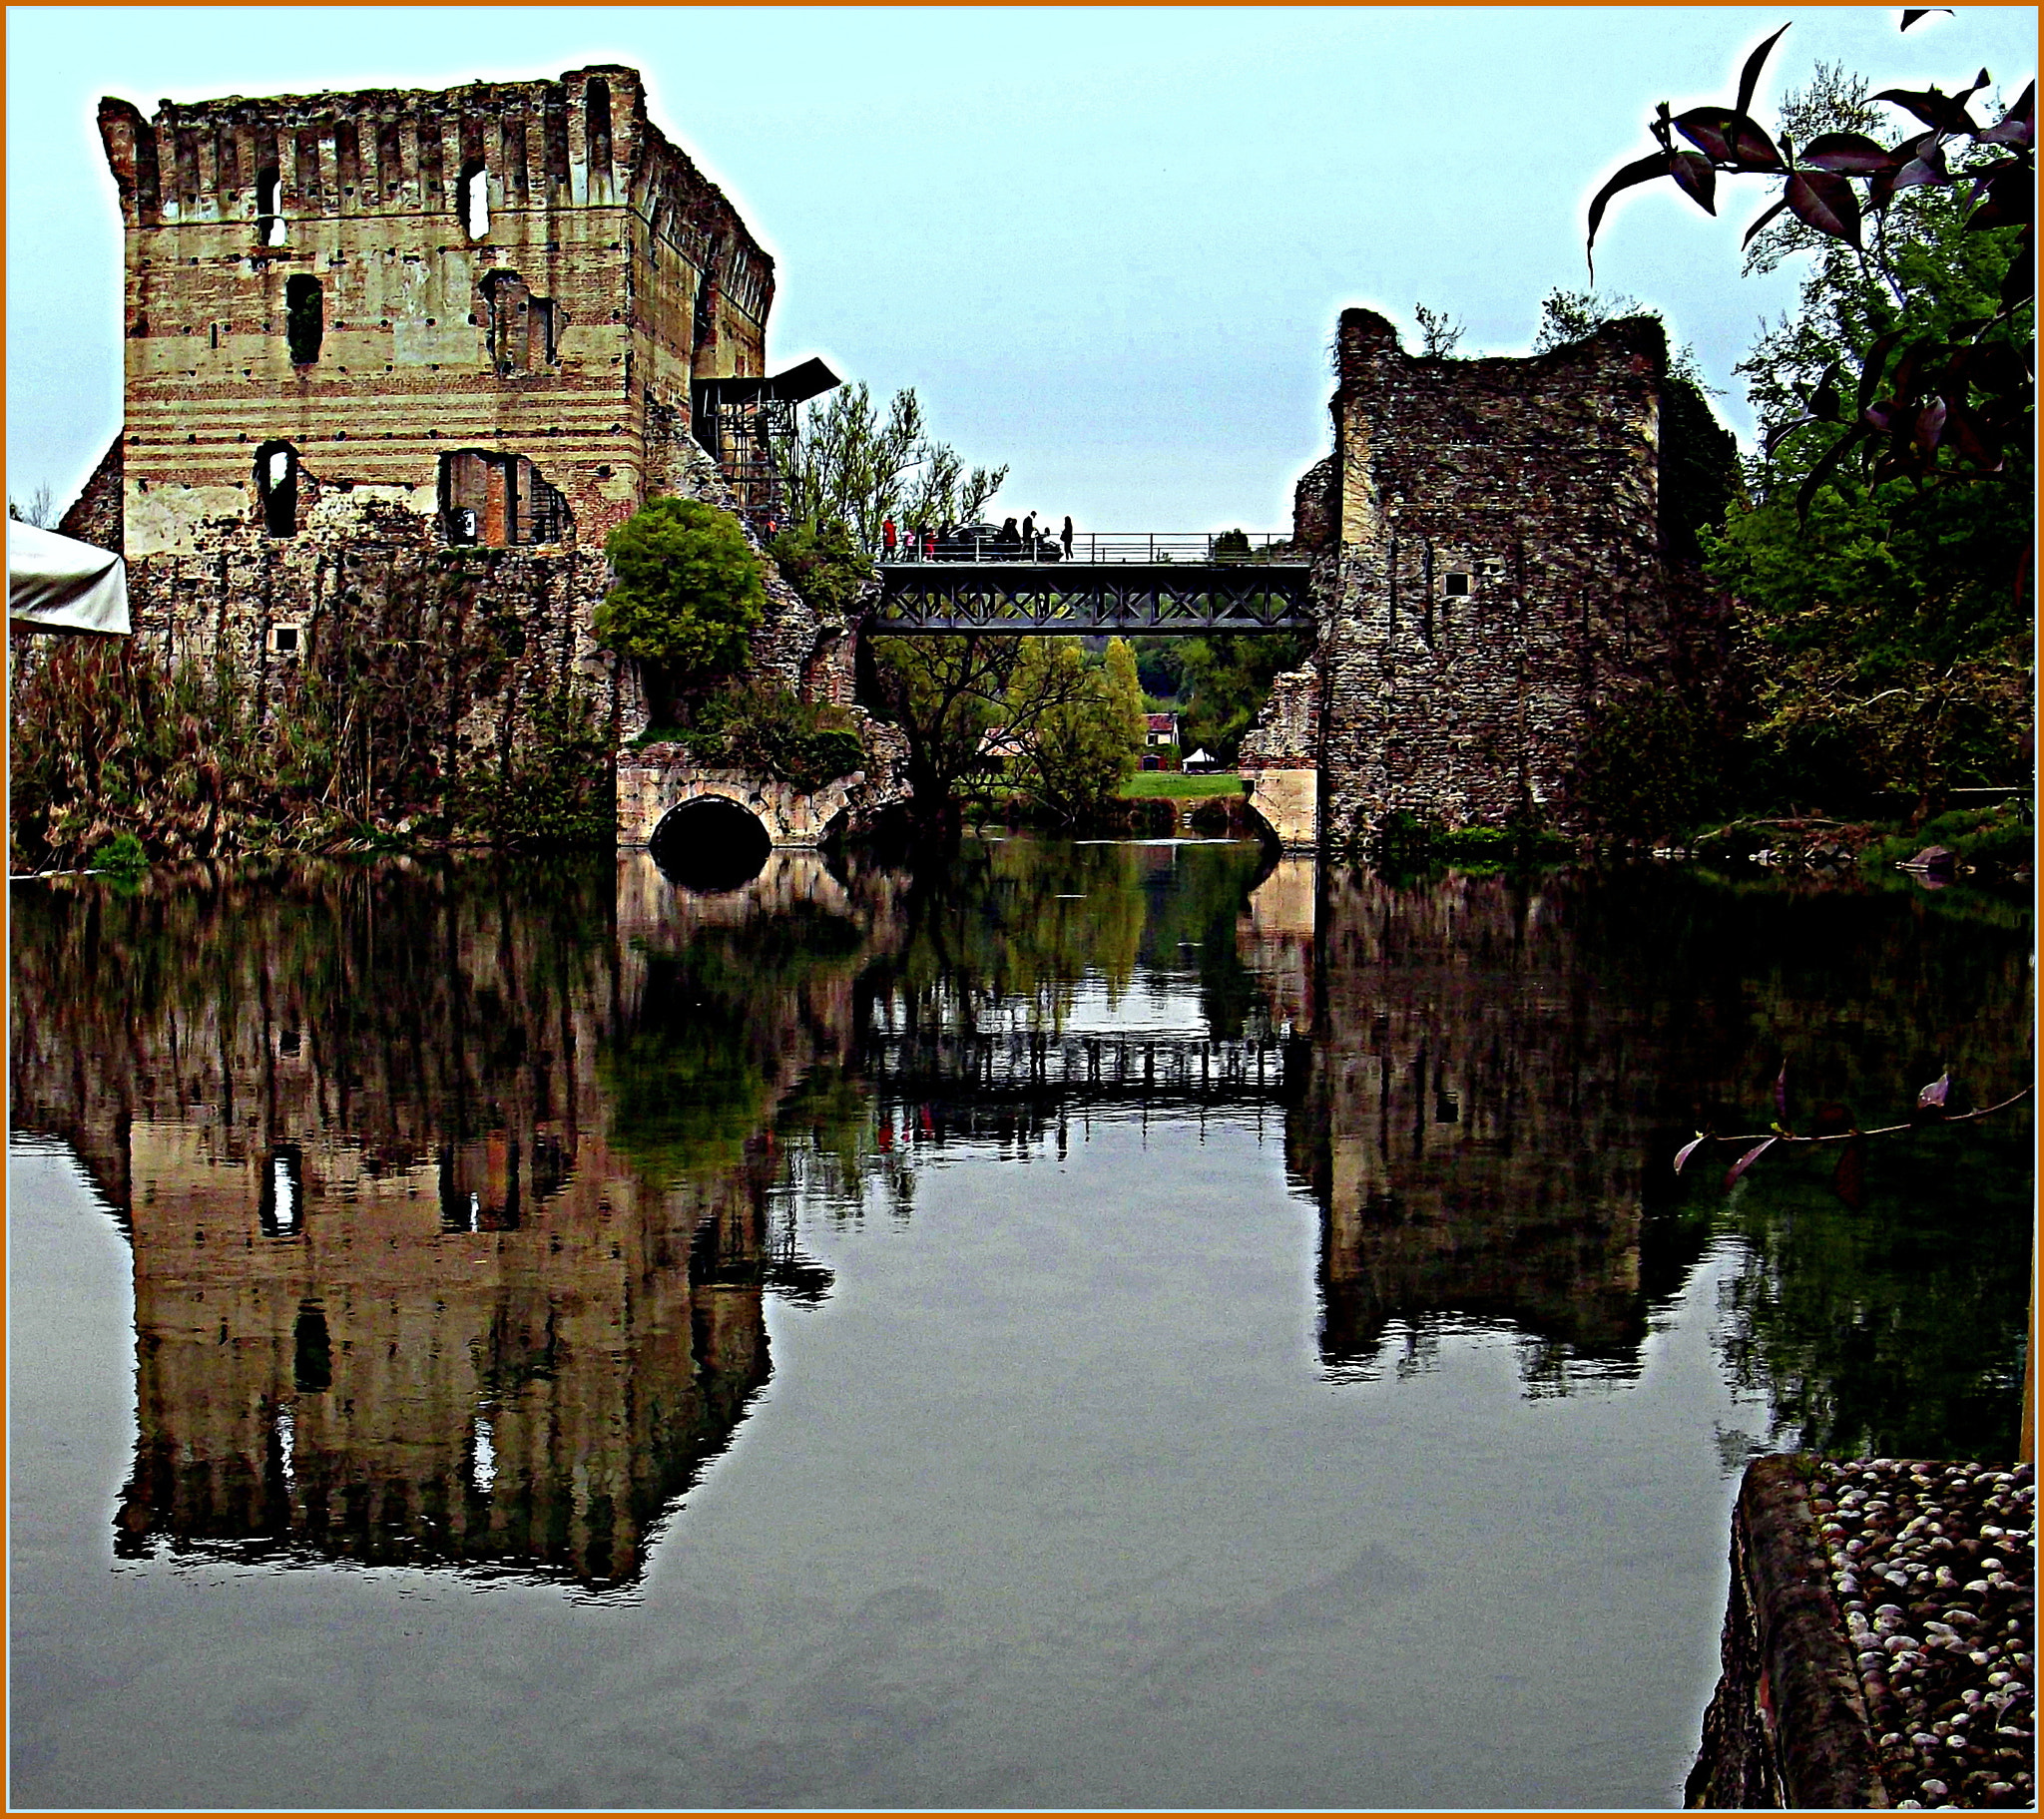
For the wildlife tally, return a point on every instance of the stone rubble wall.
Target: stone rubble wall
(1491, 571)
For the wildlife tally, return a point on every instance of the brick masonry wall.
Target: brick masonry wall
(649, 276)
(609, 275)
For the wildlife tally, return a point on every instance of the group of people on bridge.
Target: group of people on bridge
(1012, 541)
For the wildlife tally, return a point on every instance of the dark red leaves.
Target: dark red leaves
(1927, 168)
(1639, 170)
(2010, 202)
(1825, 201)
(1946, 113)
(1933, 1095)
(1747, 1160)
(1729, 139)
(1948, 403)
(1749, 78)
(1692, 171)
(1688, 1149)
(2018, 126)
(1852, 153)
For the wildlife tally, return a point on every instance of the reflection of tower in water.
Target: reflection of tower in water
(1474, 1138)
(409, 1288)
(452, 1363)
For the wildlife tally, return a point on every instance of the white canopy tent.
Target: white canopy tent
(56, 584)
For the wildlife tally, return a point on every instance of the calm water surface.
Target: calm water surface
(1110, 1325)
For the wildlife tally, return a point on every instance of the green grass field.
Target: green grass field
(1182, 785)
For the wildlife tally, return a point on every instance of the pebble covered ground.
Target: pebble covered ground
(1934, 1565)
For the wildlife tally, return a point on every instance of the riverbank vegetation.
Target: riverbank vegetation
(359, 747)
(1878, 558)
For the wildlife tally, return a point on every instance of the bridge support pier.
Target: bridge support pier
(1287, 799)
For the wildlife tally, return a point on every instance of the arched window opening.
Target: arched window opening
(475, 199)
(304, 323)
(276, 487)
(596, 113)
(270, 229)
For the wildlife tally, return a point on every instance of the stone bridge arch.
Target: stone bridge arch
(653, 784)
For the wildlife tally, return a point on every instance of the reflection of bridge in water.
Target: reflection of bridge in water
(1129, 1068)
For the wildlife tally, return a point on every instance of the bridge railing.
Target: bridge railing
(979, 545)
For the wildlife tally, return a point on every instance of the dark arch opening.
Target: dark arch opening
(711, 844)
(596, 100)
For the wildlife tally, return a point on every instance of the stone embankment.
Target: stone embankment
(1879, 1644)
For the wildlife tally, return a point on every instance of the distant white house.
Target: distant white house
(1160, 742)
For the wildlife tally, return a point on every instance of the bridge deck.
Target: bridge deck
(1181, 598)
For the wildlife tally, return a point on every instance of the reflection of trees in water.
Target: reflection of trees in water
(1006, 934)
(1893, 1328)
(483, 1178)
(1505, 1071)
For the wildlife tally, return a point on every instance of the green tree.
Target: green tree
(1217, 685)
(856, 468)
(1885, 623)
(689, 594)
(1086, 732)
(964, 702)
(823, 564)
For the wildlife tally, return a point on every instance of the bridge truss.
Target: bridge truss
(1152, 599)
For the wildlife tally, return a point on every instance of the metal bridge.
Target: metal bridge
(1156, 583)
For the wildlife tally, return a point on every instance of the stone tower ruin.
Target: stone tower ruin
(460, 326)
(1504, 549)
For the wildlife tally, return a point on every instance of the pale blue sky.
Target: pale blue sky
(1107, 246)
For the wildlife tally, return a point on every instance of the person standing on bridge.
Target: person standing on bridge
(1029, 537)
(887, 537)
(929, 544)
(1065, 537)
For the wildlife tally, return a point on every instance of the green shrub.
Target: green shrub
(824, 565)
(765, 729)
(688, 592)
(123, 853)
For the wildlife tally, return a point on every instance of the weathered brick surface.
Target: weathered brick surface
(426, 346)
(1493, 570)
(564, 330)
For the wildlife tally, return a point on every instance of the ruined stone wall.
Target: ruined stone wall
(1496, 569)
(566, 326)
(94, 516)
(352, 319)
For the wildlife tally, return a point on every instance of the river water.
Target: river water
(1108, 1325)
